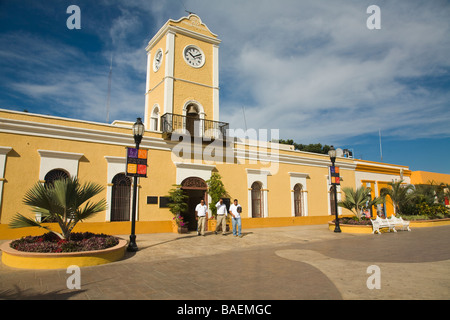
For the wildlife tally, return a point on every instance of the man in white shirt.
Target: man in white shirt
(221, 216)
(200, 212)
(235, 211)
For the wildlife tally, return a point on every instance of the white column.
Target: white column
(216, 82)
(168, 80)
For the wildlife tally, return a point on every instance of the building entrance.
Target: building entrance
(195, 188)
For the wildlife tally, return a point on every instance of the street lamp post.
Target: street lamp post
(138, 132)
(332, 154)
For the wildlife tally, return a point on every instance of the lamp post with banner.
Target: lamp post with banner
(335, 181)
(136, 167)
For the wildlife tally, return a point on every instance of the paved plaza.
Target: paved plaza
(286, 263)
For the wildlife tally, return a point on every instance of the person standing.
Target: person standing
(221, 216)
(235, 211)
(201, 211)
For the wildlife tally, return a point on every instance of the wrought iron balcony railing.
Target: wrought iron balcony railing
(196, 127)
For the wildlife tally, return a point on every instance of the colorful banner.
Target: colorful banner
(334, 176)
(137, 162)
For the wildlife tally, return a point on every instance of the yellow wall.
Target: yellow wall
(424, 177)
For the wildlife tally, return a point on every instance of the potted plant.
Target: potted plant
(178, 206)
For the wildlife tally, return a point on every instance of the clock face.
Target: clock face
(157, 60)
(194, 56)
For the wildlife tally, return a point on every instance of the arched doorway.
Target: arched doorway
(195, 188)
(257, 200)
(120, 201)
(298, 200)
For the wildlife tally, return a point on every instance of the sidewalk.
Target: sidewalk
(288, 263)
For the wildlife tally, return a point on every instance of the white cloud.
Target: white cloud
(311, 69)
(315, 71)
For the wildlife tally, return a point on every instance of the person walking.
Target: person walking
(221, 216)
(201, 211)
(235, 211)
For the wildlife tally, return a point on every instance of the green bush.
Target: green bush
(432, 211)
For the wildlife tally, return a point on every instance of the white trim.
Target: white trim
(257, 175)
(175, 29)
(117, 165)
(299, 178)
(73, 133)
(169, 72)
(147, 88)
(216, 83)
(152, 118)
(186, 170)
(51, 160)
(3, 153)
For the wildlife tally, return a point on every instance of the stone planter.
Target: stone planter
(179, 229)
(183, 230)
(429, 223)
(349, 228)
(34, 260)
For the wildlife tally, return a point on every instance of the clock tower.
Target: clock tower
(182, 74)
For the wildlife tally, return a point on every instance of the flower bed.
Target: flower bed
(51, 243)
(354, 222)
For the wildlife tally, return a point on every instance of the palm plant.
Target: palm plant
(62, 202)
(399, 193)
(357, 200)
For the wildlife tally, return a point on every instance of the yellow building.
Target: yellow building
(186, 143)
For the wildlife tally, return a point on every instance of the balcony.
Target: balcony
(193, 126)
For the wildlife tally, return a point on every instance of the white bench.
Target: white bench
(399, 222)
(380, 223)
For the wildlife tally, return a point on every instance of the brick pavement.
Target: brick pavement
(291, 263)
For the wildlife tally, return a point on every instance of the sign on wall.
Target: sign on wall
(136, 162)
(334, 175)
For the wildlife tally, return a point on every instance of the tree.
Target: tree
(399, 193)
(357, 200)
(178, 204)
(312, 147)
(60, 202)
(216, 190)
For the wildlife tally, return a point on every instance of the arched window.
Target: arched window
(50, 178)
(154, 119)
(121, 195)
(332, 201)
(257, 200)
(298, 197)
(53, 175)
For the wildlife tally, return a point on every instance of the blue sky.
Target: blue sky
(309, 68)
